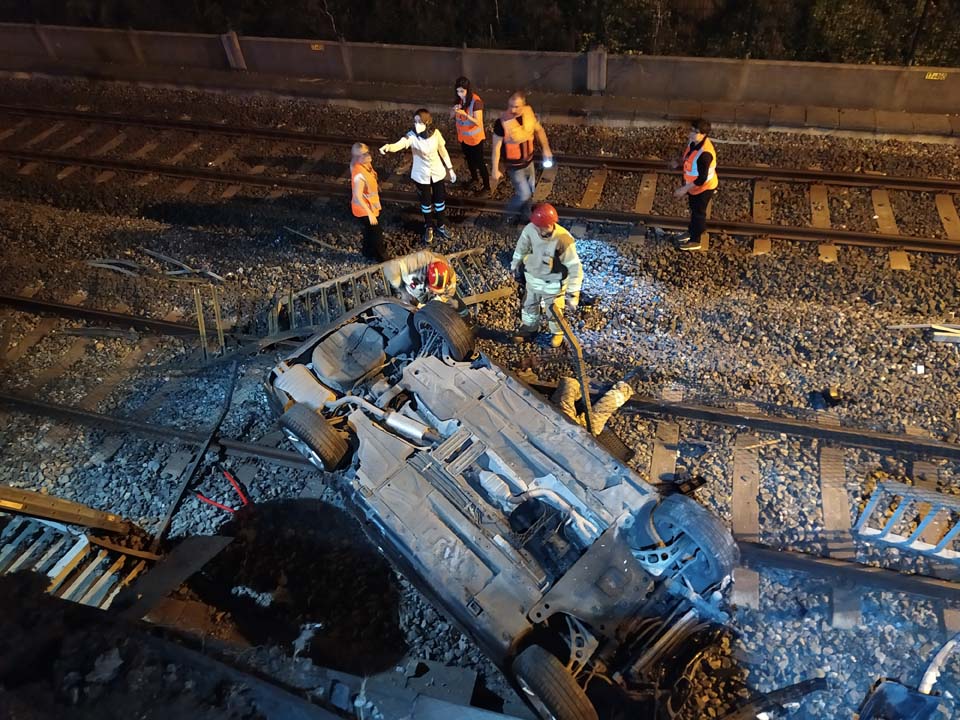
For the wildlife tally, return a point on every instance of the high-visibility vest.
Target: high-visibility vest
(690, 172)
(467, 132)
(371, 192)
(517, 138)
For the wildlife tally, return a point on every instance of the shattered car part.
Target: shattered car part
(567, 567)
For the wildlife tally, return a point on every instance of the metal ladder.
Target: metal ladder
(327, 302)
(912, 518)
(77, 569)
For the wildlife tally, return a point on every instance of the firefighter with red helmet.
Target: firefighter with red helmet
(422, 276)
(547, 254)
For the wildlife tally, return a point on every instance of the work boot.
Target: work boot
(557, 340)
(427, 235)
(444, 233)
(690, 245)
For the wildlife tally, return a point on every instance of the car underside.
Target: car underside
(570, 570)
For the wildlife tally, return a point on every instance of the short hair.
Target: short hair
(702, 126)
(425, 117)
(359, 149)
(519, 95)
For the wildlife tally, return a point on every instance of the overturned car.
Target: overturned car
(575, 575)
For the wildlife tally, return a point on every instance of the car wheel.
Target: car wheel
(718, 555)
(313, 437)
(549, 688)
(439, 328)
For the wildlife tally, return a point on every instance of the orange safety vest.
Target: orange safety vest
(690, 172)
(370, 191)
(467, 132)
(517, 138)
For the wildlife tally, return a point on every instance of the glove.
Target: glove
(452, 175)
(573, 301)
(383, 149)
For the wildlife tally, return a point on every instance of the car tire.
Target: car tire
(549, 688)
(438, 317)
(681, 515)
(313, 437)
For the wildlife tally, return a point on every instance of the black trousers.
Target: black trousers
(698, 213)
(433, 202)
(475, 161)
(373, 247)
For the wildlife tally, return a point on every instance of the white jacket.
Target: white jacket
(550, 265)
(431, 161)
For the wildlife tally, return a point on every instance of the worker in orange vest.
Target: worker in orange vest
(365, 201)
(699, 163)
(468, 116)
(513, 136)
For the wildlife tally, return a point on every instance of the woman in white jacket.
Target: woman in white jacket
(431, 167)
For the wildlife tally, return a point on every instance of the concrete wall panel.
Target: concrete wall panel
(14, 40)
(297, 58)
(90, 45)
(183, 50)
(404, 65)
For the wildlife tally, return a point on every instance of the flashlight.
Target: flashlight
(548, 162)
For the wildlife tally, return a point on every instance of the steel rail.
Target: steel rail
(337, 189)
(163, 432)
(912, 444)
(79, 312)
(752, 554)
(757, 557)
(620, 164)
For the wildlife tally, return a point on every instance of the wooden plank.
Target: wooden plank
(143, 151)
(926, 475)
(761, 202)
(591, 195)
(836, 504)
(761, 246)
(663, 459)
(646, 194)
(948, 216)
(76, 139)
(828, 252)
(223, 157)
(188, 150)
(43, 135)
(545, 184)
(112, 144)
(40, 331)
(16, 128)
(819, 206)
(884, 212)
(845, 608)
(899, 260)
(746, 514)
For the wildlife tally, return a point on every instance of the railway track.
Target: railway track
(21, 142)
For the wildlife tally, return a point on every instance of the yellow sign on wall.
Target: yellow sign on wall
(319, 46)
(935, 76)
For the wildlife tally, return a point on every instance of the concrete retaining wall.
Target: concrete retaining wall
(913, 89)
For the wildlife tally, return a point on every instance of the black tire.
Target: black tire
(549, 688)
(440, 318)
(314, 438)
(681, 515)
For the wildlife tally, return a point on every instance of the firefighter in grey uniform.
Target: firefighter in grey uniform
(551, 270)
(422, 276)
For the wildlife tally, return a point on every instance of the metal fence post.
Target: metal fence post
(201, 325)
(231, 46)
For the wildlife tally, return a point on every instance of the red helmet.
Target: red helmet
(439, 275)
(544, 215)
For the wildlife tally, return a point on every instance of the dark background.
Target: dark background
(919, 32)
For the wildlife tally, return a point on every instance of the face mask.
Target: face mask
(419, 127)
(462, 93)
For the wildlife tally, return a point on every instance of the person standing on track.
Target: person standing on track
(546, 254)
(699, 163)
(365, 201)
(513, 136)
(468, 116)
(431, 166)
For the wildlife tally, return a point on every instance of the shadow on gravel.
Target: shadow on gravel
(296, 562)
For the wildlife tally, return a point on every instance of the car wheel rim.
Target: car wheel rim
(301, 447)
(537, 703)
